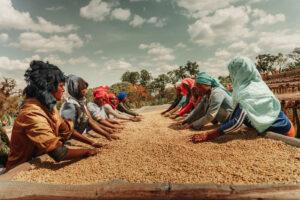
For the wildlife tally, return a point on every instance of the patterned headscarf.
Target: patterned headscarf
(42, 78)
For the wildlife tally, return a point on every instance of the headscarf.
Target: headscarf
(206, 79)
(251, 92)
(121, 96)
(100, 92)
(74, 86)
(42, 78)
(187, 81)
(109, 96)
(177, 85)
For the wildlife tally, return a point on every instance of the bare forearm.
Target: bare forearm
(95, 126)
(76, 153)
(107, 124)
(81, 138)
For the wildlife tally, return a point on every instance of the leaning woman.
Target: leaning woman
(215, 106)
(38, 128)
(75, 108)
(255, 104)
(122, 99)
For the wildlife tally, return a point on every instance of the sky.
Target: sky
(99, 40)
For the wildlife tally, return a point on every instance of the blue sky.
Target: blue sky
(100, 40)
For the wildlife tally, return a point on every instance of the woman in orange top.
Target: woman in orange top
(38, 128)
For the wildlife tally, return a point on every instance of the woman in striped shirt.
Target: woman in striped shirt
(255, 105)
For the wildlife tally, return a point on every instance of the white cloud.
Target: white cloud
(222, 54)
(180, 45)
(225, 25)
(121, 14)
(158, 52)
(10, 18)
(16, 65)
(53, 8)
(38, 43)
(88, 37)
(98, 52)
(115, 65)
(264, 18)
(157, 22)
(3, 37)
(284, 40)
(56, 60)
(214, 66)
(137, 21)
(82, 60)
(96, 10)
(198, 9)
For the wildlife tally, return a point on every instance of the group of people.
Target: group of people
(40, 128)
(252, 103)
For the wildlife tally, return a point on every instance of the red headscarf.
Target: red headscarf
(110, 96)
(100, 92)
(187, 81)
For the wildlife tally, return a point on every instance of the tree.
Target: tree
(131, 77)
(160, 83)
(281, 61)
(295, 56)
(265, 62)
(145, 78)
(224, 80)
(9, 97)
(192, 69)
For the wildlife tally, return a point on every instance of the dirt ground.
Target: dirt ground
(155, 150)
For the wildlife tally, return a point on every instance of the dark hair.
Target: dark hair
(42, 78)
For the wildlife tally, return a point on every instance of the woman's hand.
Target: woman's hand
(205, 136)
(115, 137)
(187, 126)
(199, 137)
(91, 152)
(97, 145)
(174, 117)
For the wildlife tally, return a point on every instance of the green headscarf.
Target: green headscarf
(251, 92)
(206, 79)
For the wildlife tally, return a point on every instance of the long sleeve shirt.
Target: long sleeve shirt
(36, 131)
(111, 113)
(186, 109)
(238, 117)
(122, 108)
(215, 107)
(96, 111)
(176, 102)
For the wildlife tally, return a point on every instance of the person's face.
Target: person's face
(60, 91)
(203, 89)
(186, 87)
(178, 91)
(83, 91)
(124, 100)
(113, 100)
(101, 101)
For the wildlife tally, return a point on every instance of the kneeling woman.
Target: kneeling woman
(75, 108)
(38, 128)
(215, 106)
(255, 104)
